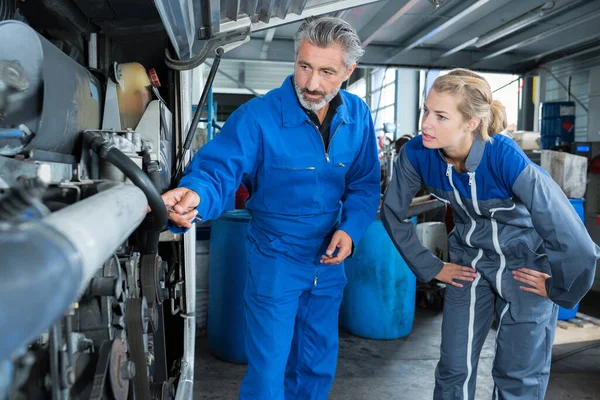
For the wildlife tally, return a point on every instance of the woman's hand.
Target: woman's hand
(450, 272)
(536, 279)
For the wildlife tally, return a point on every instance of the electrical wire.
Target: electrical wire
(564, 87)
(379, 100)
(508, 84)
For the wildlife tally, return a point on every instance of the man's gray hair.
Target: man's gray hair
(325, 31)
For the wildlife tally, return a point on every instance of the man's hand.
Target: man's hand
(450, 272)
(532, 278)
(182, 203)
(341, 241)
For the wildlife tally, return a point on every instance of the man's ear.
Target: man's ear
(349, 72)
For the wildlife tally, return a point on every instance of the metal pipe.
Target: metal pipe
(515, 25)
(186, 380)
(54, 361)
(93, 51)
(231, 78)
(387, 24)
(562, 27)
(435, 31)
(185, 387)
(98, 225)
(62, 251)
(194, 124)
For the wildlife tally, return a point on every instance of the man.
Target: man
(308, 154)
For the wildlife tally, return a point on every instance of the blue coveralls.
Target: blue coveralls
(508, 213)
(301, 193)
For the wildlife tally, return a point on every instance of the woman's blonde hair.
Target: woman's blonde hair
(476, 100)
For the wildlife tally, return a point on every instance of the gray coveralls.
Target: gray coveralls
(508, 214)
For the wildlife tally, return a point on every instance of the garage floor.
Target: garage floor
(403, 369)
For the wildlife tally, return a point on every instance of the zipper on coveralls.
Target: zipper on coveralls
(473, 185)
(326, 150)
(460, 203)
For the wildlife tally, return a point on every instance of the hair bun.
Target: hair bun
(498, 121)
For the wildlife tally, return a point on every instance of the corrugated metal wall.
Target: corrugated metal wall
(579, 71)
(261, 77)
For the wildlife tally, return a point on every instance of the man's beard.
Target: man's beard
(314, 104)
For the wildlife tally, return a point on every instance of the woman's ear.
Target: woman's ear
(473, 124)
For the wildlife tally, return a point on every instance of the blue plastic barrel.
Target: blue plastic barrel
(563, 313)
(379, 300)
(557, 123)
(227, 282)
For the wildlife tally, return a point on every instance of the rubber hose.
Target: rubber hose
(141, 180)
(153, 236)
(134, 173)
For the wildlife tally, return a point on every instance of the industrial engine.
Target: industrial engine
(90, 293)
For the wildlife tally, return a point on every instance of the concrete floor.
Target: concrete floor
(403, 369)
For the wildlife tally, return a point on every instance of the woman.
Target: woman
(518, 247)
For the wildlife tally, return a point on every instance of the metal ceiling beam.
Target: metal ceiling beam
(544, 35)
(436, 31)
(460, 47)
(557, 50)
(266, 43)
(343, 14)
(513, 26)
(282, 51)
(519, 23)
(374, 27)
(290, 18)
(579, 53)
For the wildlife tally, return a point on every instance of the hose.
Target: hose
(114, 156)
(152, 236)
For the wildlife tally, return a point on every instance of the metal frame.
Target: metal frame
(452, 21)
(544, 35)
(390, 8)
(185, 387)
(267, 22)
(557, 50)
(376, 55)
(266, 43)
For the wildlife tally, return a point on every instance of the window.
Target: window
(505, 89)
(383, 97)
(359, 88)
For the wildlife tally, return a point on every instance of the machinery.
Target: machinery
(91, 294)
(97, 296)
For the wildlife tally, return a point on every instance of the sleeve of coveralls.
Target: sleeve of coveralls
(217, 168)
(363, 190)
(571, 252)
(406, 182)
